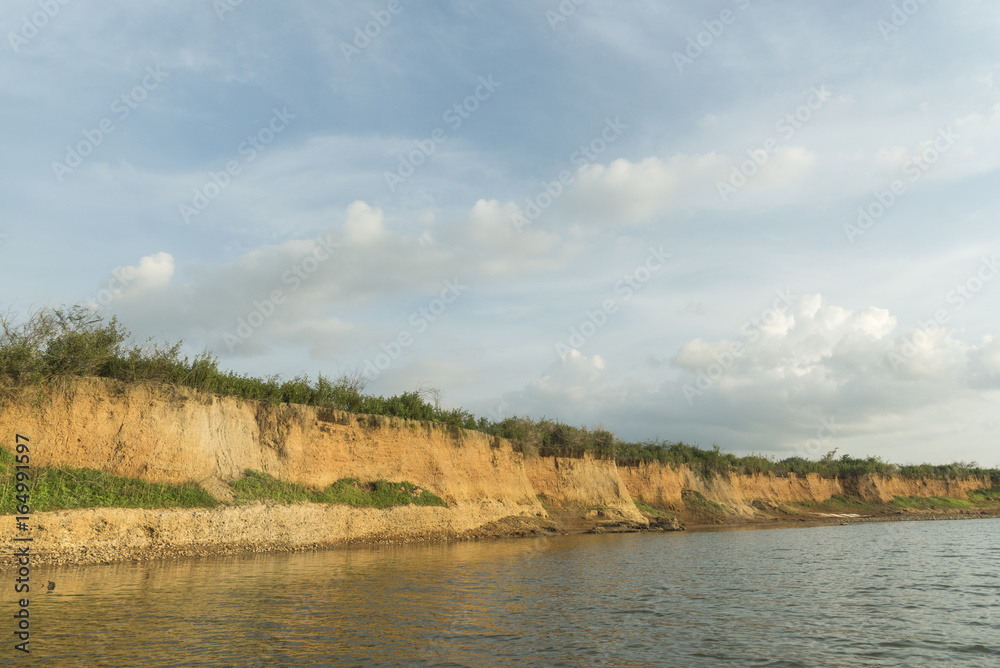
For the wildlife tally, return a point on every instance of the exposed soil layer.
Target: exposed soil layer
(178, 435)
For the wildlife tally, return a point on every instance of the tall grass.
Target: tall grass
(67, 487)
(53, 345)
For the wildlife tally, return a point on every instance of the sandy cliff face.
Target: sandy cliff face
(179, 435)
(663, 486)
(879, 488)
(582, 482)
(176, 435)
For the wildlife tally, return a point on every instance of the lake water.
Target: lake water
(887, 594)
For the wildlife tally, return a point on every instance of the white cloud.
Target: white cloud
(153, 271)
(625, 193)
(363, 224)
(819, 361)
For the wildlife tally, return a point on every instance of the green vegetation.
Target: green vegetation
(841, 504)
(991, 495)
(696, 500)
(838, 503)
(929, 503)
(58, 344)
(255, 486)
(66, 487)
(53, 345)
(649, 509)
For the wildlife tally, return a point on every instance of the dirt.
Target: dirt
(177, 435)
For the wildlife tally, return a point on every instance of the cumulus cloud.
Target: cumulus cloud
(317, 292)
(772, 387)
(569, 388)
(153, 271)
(625, 192)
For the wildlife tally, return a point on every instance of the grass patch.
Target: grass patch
(67, 487)
(991, 495)
(929, 502)
(649, 509)
(839, 503)
(255, 486)
(696, 500)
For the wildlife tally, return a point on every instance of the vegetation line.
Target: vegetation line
(69, 488)
(51, 346)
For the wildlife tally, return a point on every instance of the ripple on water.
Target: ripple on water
(791, 597)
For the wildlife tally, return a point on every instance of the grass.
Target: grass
(696, 500)
(838, 503)
(987, 496)
(649, 509)
(66, 487)
(929, 502)
(255, 486)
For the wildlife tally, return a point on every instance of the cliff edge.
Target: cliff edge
(174, 435)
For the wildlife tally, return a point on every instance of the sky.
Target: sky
(767, 226)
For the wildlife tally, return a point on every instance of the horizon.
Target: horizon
(746, 224)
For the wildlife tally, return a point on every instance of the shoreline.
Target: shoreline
(361, 527)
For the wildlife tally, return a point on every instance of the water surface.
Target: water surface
(888, 594)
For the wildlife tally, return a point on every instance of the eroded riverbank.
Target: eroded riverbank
(177, 435)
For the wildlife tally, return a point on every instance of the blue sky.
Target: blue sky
(770, 226)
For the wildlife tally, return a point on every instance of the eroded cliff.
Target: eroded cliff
(166, 434)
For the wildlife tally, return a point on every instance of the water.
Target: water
(890, 594)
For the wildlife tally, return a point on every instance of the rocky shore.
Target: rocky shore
(139, 535)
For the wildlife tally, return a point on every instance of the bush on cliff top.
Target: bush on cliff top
(55, 344)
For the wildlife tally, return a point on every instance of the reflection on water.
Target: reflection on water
(917, 593)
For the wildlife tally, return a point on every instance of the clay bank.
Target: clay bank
(176, 435)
